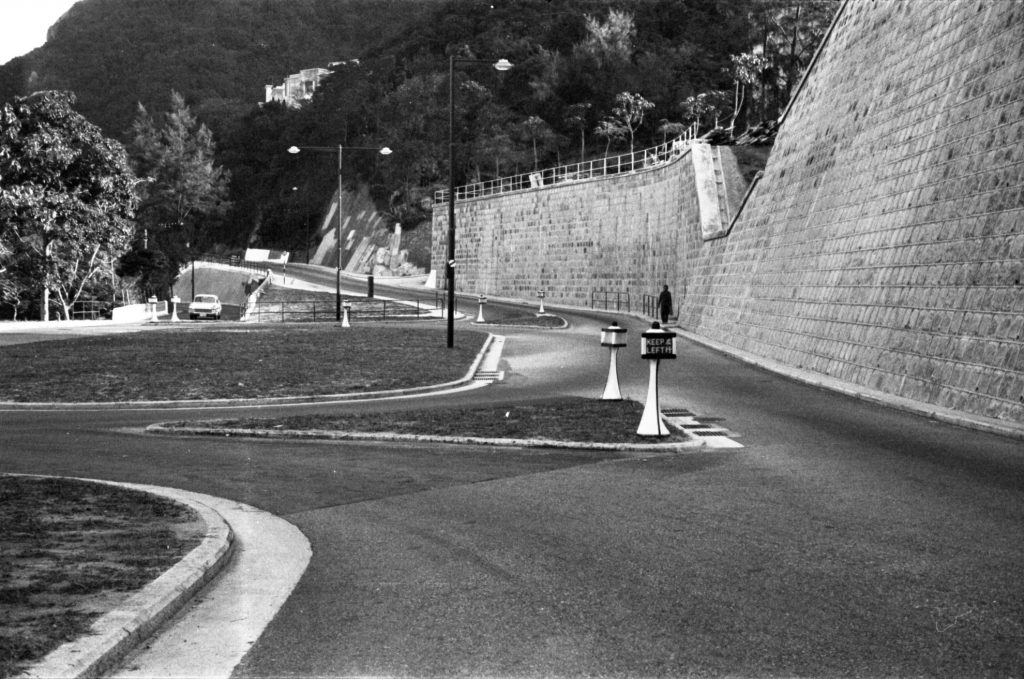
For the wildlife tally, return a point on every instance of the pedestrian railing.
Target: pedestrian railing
(650, 307)
(591, 169)
(609, 299)
(263, 311)
(235, 261)
(90, 309)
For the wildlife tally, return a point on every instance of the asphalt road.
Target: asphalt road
(843, 539)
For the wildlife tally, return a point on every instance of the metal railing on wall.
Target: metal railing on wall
(600, 167)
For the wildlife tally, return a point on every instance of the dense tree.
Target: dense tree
(149, 270)
(626, 117)
(183, 187)
(575, 117)
(67, 199)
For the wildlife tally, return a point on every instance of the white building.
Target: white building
(297, 88)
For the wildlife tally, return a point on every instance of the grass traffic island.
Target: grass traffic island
(72, 550)
(191, 362)
(521, 318)
(573, 420)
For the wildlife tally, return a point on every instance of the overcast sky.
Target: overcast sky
(23, 24)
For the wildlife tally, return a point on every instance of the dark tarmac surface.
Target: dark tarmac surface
(843, 539)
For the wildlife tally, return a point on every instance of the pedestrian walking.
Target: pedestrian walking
(665, 305)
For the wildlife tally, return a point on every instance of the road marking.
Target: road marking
(488, 371)
(713, 436)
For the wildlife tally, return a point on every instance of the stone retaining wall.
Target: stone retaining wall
(884, 245)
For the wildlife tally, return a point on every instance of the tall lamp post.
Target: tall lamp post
(192, 269)
(500, 65)
(384, 151)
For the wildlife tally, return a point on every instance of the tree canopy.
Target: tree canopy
(67, 201)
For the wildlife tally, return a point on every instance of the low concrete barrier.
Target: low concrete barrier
(132, 313)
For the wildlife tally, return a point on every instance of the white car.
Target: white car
(204, 306)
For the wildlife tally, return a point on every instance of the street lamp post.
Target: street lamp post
(500, 65)
(384, 151)
(192, 269)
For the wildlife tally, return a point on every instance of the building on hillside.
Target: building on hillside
(297, 88)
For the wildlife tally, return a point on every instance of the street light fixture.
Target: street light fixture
(500, 65)
(384, 151)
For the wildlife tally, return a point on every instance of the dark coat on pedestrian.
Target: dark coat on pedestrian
(665, 304)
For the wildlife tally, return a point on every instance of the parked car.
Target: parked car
(204, 306)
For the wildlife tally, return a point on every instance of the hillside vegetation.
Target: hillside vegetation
(590, 77)
(218, 53)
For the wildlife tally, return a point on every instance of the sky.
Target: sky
(23, 24)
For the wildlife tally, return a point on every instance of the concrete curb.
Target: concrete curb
(563, 326)
(466, 379)
(121, 630)
(821, 381)
(326, 435)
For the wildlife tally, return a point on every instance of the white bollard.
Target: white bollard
(345, 306)
(614, 338)
(611, 387)
(481, 300)
(655, 345)
(650, 422)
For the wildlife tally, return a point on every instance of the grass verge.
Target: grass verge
(243, 361)
(72, 550)
(571, 419)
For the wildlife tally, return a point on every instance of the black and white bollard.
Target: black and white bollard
(153, 318)
(540, 293)
(346, 306)
(174, 307)
(481, 300)
(614, 338)
(655, 345)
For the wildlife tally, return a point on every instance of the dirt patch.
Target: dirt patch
(73, 550)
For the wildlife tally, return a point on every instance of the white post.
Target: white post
(481, 300)
(650, 422)
(344, 319)
(541, 295)
(611, 389)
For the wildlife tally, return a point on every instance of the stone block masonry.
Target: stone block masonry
(609, 235)
(884, 245)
